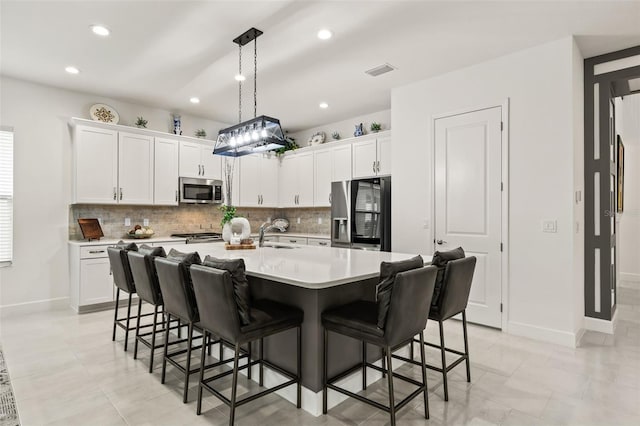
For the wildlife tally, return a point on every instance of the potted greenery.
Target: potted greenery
(141, 122)
(335, 135)
(376, 127)
(200, 133)
(290, 145)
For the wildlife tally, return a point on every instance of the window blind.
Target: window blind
(6, 196)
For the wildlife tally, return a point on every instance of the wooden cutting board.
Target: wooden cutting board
(228, 246)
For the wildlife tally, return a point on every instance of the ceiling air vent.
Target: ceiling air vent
(381, 69)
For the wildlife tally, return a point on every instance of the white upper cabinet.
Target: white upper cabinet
(135, 168)
(165, 190)
(95, 165)
(259, 181)
(197, 161)
(330, 165)
(296, 180)
(341, 163)
(372, 156)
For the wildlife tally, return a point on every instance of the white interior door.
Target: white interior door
(468, 211)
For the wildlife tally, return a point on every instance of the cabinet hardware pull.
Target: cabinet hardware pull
(199, 170)
(121, 193)
(378, 166)
(329, 198)
(203, 170)
(374, 167)
(176, 195)
(322, 244)
(95, 251)
(115, 196)
(441, 242)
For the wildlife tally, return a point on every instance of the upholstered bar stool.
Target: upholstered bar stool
(179, 302)
(452, 300)
(409, 301)
(145, 276)
(123, 280)
(220, 315)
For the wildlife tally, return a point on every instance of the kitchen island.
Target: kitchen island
(312, 279)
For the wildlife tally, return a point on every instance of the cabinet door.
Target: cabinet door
(364, 158)
(96, 282)
(190, 160)
(135, 168)
(96, 165)
(250, 181)
(341, 163)
(384, 155)
(165, 187)
(321, 242)
(322, 180)
(305, 180)
(211, 164)
(288, 186)
(269, 168)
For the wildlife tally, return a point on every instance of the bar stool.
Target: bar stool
(145, 276)
(123, 279)
(214, 292)
(407, 317)
(453, 299)
(179, 301)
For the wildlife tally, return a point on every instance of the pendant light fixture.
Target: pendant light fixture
(258, 134)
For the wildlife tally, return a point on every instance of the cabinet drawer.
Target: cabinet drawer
(93, 252)
(293, 240)
(319, 242)
(271, 239)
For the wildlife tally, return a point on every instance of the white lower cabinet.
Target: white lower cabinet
(293, 240)
(322, 242)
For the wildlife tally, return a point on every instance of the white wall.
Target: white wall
(539, 84)
(628, 127)
(345, 127)
(42, 181)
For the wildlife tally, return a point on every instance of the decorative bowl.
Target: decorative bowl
(139, 236)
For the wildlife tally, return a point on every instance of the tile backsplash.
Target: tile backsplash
(166, 220)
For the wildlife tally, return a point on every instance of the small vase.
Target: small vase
(242, 226)
(226, 232)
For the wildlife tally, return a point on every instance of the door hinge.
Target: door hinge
(501, 307)
(501, 126)
(501, 247)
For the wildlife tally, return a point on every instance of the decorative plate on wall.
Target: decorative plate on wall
(316, 138)
(104, 113)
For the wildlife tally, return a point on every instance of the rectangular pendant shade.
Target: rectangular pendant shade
(259, 134)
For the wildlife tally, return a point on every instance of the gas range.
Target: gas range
(200, 237)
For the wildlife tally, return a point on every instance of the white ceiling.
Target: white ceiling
(161, 53)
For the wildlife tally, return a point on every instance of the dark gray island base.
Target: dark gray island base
(344, 352)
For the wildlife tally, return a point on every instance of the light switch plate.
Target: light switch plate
(550, 226)
(319, 221)
(145, 222)
(298, 221)
(127, 221)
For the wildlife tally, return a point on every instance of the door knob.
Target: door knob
(440, 242)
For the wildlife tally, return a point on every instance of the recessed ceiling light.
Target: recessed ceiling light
(100, 30)
(323, 105)
(324, 34)
(72, 70)
(240, 77)
(194, 100)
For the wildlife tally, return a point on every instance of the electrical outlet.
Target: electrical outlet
(127, 221)
(298, 221)
(319, 221)
(145, 222)
(269, 219)
(550, 226)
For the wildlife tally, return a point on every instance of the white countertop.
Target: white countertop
(305, 266)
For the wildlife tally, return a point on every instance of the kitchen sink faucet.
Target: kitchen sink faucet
(266, 227)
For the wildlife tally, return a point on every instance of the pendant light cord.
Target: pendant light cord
(240, 83)
(255, 77)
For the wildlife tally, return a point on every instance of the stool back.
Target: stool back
(121, 270)
(456, 287)
(177, 293)
(410, 302)
(145, 276)
(214, 295)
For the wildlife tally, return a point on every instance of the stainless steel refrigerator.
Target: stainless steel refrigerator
(361, 214)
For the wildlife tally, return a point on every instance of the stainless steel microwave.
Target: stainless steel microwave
(200, 191)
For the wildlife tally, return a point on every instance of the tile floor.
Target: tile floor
(66, 371)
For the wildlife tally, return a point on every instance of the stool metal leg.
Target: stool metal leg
(466, 344)
(221, 350)
(392, 406)
(115, 315)
(166, 348)
(299, 366)
(424, 376)
(324, 370)
(249, 360)
(444, 361)
(153, 337)
(364, 365)
(234, 385)
(384, 363)
(411, 350)
(135, 343)
(188, 366)
(126, 330)
(202, 359)
(260, 358)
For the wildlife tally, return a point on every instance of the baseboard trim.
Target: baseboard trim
(603, 326)
(34, 307)
(544, 334)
